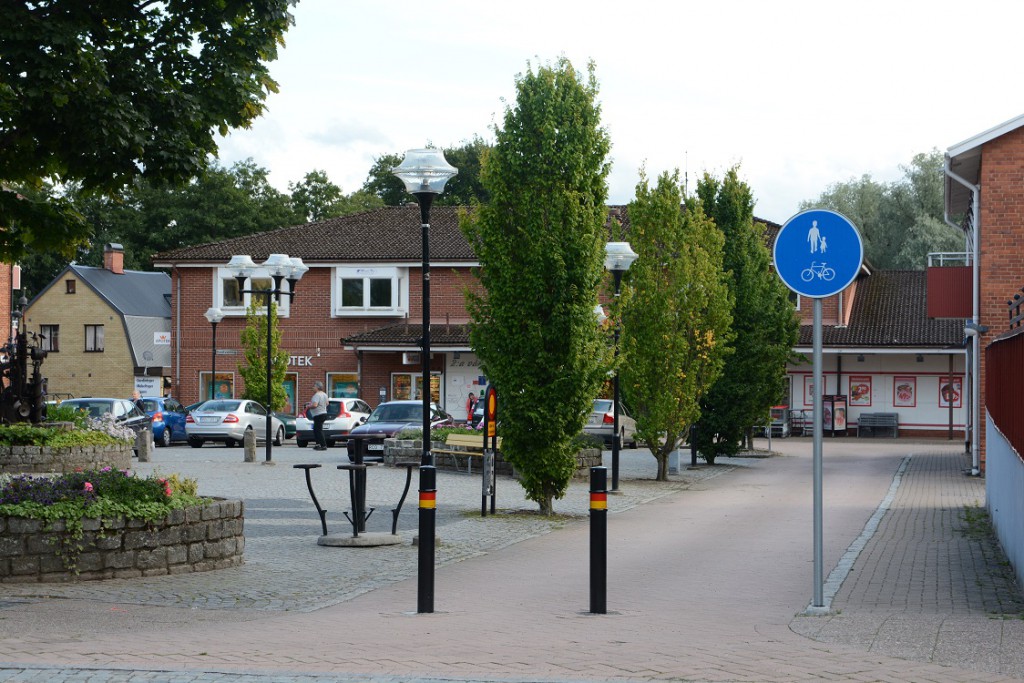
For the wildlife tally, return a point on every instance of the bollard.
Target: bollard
(249, 446)
(428, 512)
(598, 540)
(144, 444)
(693, 445)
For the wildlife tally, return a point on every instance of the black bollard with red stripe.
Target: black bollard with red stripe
(598, 540)
(427, 522)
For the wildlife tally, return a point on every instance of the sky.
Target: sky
(799, 95)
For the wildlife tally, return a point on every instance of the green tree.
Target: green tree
(254, 344)
(147, 219)
(100, 94)
(676, 317)
(540, 243)
(900, 222)
(462, 190)
(764, 322)
(316, 198)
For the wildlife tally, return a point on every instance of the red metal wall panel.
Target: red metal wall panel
(949, 292)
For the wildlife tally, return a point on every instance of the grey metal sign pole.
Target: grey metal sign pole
(819, 429)
(818, 253)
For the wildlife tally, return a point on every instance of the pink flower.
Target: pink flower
(88, 487)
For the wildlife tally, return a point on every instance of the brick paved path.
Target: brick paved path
(705, 584)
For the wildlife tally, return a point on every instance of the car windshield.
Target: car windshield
(397, 412)
(219, 406)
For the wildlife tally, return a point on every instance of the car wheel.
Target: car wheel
(279, 438)
(300, 443)
(165, 438)
(195, 443)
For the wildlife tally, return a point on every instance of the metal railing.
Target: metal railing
(940, 259)
(1015, 304)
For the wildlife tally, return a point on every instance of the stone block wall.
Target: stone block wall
(196, 539)
(40, 459)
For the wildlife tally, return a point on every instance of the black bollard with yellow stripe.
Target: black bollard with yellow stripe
(598, 540)
(428, 512)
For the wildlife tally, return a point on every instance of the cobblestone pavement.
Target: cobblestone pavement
(917, 585)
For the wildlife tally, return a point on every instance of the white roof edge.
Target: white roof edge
(987, 136)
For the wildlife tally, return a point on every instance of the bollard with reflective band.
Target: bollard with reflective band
(425, 567)
(598, 540)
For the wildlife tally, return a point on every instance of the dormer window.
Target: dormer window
(370, 291)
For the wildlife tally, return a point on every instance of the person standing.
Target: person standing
(470, 408)
(318, 412)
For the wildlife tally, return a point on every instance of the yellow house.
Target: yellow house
(107, 330)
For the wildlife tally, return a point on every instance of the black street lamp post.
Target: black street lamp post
(619, 256)
(280, 267)
(214, 315)
(425, 172)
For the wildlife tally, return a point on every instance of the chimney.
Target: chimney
(113, 258)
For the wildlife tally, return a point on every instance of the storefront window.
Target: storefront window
(343, 384)
(406, 386)
(224, 387)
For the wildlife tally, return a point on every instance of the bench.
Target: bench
(868, 424)
(466, 446)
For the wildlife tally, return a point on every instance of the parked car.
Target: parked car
(168, 419)
(601, 423)
(288, 421)
(125, 412)
(388, 419)
(344, 415)
(227, 420)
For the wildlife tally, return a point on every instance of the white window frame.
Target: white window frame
(399, 278)
(220, 275)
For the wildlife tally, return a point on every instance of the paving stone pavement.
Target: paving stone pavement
(710, 587)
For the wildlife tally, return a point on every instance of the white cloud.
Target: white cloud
(802, 93)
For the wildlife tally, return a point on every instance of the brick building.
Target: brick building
(356, 317)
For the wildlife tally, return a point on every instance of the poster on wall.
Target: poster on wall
(343, 384)
(950, 391)
(809, 388)
(860, 390)
(291, 379)
(224, 387)
(904, 392)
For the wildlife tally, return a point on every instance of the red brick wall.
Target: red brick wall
(308, 328)
(1002, 234)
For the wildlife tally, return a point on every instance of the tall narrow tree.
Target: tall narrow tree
(676, 317)
(254, 344)
(764, 322)
(540, 242)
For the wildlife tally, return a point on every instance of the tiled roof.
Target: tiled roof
(133, 292)
(889, 309)
(388, 234)
(404, 334)
(391, 233)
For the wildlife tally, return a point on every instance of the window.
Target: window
(49, 338)
(94, 337)
(234, 302)
(370, 291)
(69, 286)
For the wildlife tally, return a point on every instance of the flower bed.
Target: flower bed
(110, 524)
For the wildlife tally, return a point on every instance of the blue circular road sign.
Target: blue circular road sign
(818, 253)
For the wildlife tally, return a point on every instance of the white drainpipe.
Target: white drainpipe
(972, 330)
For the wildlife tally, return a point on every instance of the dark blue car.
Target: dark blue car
(168, 419)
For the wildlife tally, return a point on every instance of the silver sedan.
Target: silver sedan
(227, 421)
(601, 423)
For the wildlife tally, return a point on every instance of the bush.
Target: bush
(87, 431)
